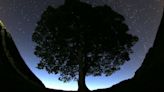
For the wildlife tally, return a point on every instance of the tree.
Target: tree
(76, 40)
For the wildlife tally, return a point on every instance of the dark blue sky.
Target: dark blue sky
(142, 16)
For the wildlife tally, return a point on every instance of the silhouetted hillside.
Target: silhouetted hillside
(14, 73)
(151, 73)
(150, 76)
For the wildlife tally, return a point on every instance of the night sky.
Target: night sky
(142, 16)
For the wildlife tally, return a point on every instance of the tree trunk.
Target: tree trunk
(82, 73)
(81, 82)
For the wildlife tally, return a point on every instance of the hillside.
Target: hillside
(14, 73)
(150, 76)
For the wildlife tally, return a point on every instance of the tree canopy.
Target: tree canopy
(77, 39)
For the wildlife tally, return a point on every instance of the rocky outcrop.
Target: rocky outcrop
(150, 76)
(14, 73)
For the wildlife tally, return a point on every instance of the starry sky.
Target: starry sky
(142, 16)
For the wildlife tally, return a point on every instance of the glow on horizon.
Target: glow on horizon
(93, 83)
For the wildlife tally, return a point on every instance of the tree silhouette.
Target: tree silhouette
(76, 40)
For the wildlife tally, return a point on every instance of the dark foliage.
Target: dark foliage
(76, 40)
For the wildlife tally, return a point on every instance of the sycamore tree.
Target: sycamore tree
(77, 40)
